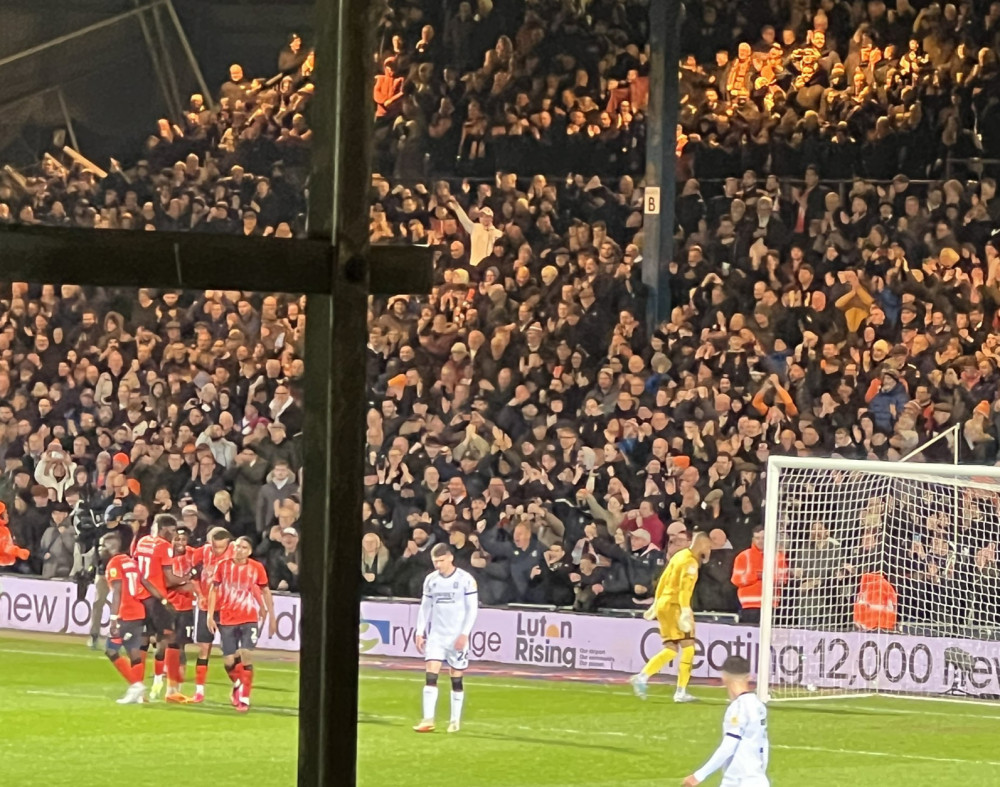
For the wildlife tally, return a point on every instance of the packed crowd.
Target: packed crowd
(475, 87)
(235, 165)
(867, 88)
(523, 412)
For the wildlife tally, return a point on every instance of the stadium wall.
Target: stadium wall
(533, 639)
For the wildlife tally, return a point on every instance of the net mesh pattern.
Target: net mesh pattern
(884, 583)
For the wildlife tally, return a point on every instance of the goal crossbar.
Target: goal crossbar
(975, 476)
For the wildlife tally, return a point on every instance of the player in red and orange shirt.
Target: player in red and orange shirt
(240, 593)
(205, 559)
(181, 598)
(128, 615)
(153, 555)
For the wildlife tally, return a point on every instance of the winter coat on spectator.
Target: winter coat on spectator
(643, 566)
(45, 476)
(28, 529)
(56, 550)
(552, 585)
(270, 494)
(276, 560)
(272, 452)
(381, 565)
(413, 569)
(521, 561)
(202, 493)
(222, 449)
(245, 479)
(714, 591)
(887, 406)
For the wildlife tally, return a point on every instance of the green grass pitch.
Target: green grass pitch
(60, 726)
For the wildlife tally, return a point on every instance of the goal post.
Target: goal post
(880, 578)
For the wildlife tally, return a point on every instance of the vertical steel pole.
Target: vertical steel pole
(168, 65)
(343, 114)
(661, 170)
(189, 53)
(67, 119)
(154, 56)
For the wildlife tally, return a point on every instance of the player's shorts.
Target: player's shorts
(669, 617)
(129, 636)
(184, 627)
(201, 633)
(242, 636)
(745, 781)
(443, 650)
(159, 620)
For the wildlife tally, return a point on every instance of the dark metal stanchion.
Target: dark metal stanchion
(661, 170)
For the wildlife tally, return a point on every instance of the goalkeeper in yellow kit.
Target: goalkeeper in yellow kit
(672, 610)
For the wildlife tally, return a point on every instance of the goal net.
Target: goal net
(880, 578)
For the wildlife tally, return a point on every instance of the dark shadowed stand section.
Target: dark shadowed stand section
(661, 169)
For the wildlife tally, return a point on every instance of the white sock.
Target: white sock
(457, 698)
(430, 701)
(199, 689)
(157, 680)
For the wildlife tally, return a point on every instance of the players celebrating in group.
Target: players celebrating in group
(153, 595)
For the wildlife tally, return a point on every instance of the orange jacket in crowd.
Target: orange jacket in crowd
(748, 572)
(876, 605)
(9, 551)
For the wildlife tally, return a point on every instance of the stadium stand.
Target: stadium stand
(834, 293)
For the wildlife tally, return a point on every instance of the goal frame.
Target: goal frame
(775, 466)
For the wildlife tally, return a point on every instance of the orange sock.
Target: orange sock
(173, 666)
(247, 680)
(124, 667)
(142, 657)
(200, 673)
(138, 671)
(158, 666)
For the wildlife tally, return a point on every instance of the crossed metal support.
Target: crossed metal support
(337, 269)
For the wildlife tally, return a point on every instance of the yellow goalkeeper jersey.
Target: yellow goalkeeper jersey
(678, 579)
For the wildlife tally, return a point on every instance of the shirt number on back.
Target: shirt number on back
(144, 565)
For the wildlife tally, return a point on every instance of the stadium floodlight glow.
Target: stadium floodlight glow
(880, 578)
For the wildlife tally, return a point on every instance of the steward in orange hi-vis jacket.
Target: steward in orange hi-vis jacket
(9, 551)
(876, 605)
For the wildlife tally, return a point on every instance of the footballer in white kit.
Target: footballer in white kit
(448, 610)
(744, 750)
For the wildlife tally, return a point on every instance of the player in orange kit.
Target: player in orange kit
(240, 593)
(152, 554)
(182, 599)
(205, 559)
(128, 615)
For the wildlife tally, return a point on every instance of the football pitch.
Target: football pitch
(59, 725)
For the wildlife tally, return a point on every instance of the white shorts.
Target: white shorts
(443, 650)
(747, 781)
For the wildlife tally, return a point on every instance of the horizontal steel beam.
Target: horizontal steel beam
(199, 261)
(164, 259)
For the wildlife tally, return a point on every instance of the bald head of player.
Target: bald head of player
(443, 559)
(701, 546)
(736, 676)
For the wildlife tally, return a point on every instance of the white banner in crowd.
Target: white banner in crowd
(561, 641)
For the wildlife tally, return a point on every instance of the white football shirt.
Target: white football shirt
(449, 605)
(746, 720)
